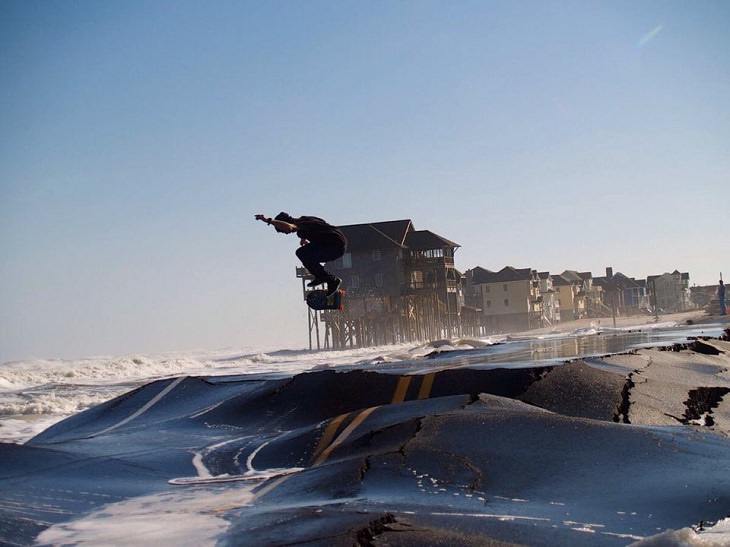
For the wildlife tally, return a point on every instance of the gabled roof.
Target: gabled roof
(424, 240)
(508, 273)
(397, 230)
(683, 276)
(478, 275)
(573, 275)
(560, 281)
(376, 235)
(392, 233)
(619, 280)
(626, 281)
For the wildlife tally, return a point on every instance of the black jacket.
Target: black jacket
(319, 232)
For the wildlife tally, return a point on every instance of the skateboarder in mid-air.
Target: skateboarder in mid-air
(320, 242)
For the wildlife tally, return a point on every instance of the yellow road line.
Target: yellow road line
(343, 436)
(426, 385)
(329, 433)
(400, 390)
(325, 447)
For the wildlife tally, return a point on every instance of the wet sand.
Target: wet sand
(694, 316)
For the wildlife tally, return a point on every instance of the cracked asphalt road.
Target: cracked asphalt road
(614, 448)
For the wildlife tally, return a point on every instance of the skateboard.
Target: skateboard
(318, 300)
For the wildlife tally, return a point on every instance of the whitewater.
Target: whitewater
(35, 394)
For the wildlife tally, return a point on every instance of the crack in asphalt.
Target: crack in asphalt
(622, 411)
(366, 536)
(700, 404)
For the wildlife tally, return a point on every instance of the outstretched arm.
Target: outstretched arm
(279, 225)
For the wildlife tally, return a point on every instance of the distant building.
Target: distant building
(508, 300)
(670, 291)
(703, 296)
(588, 297)
(550, 299)
(630, 294)
(571, 296)
(402, 286)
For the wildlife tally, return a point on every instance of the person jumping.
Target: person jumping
(319, 242)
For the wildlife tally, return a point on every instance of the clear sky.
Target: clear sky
(139, 138)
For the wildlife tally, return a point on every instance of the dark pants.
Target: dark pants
(313, 254)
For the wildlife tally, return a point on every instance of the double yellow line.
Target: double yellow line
(405, 381)
(326, 445)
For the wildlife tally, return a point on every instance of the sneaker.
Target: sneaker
(317, 281)
(332, 285)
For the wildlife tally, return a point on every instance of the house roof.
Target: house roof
(423, 240)
(620, 280)
(573, 275)
(683, 276)
(397, 230)
(630, 282)
(478, 275)
(508, 273)
(376, 235)
(560, 281)
(389, 234)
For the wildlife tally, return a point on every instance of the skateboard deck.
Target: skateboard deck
(318, 300)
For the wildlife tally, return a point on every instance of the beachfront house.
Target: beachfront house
(670, 291)
(550, 299)
(401, 285)
(569, 297)
(508, 300)
(588, 298)
(627, 294)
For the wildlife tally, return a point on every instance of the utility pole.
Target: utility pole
(612, 289)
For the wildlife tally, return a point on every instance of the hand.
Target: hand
(261, 217)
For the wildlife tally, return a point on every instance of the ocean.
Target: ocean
(534, 439)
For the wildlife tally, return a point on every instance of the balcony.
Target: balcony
(427, 261)
(441, 285)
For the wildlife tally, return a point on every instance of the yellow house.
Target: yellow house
(508, 300)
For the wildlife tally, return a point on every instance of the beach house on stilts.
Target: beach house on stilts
(401, 286)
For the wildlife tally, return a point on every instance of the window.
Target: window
(376, 254)
(416, 279)
(431, 253)
(378, 280)
(344, 262)
(505, 287)
(506, 302)
(355, 281)
(489, 303)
